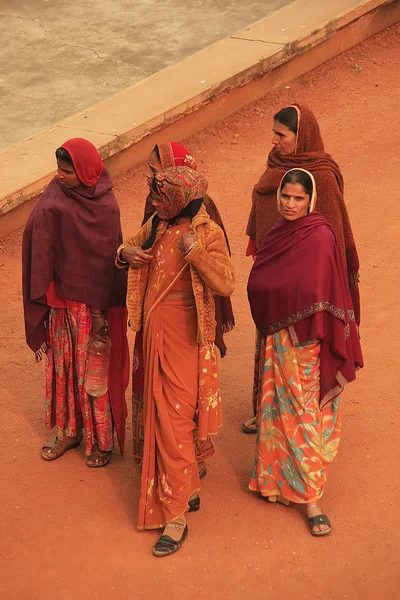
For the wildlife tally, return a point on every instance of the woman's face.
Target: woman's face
(294, 201)
(158, 205)
(66, 174)
(283, 139)
(153, 166)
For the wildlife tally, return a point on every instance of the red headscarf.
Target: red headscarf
(173, 154)
(298, 281)
(86, 159)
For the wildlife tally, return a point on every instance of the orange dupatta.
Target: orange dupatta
(181, 378)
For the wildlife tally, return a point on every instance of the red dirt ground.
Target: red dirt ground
(68, 531)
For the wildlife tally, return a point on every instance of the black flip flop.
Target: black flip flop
(246, 429)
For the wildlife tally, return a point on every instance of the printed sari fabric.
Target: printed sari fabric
(203, 448)
(68, 407)
(296, 439)
(173, 390)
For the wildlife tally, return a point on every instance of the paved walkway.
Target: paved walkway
(58, 58)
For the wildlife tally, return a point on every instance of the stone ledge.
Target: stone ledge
(123, 126)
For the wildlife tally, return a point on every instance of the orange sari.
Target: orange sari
(174, 393)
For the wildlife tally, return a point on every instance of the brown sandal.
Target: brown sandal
(202, 469)
(99, 459)
(279, 499)
(250, 426)
(56, 447)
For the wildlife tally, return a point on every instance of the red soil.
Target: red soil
(68, 531)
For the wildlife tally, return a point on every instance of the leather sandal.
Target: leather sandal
(166, 545)
(279, 499)
(56, 447)
(194, 504)
(202, 470)
(247, 429)
(98, 458)
(319, 520)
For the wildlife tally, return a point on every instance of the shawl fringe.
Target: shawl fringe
(228, 326)
(44, 348)
(354, 279)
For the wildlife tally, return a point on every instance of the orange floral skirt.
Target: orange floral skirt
(296, 440)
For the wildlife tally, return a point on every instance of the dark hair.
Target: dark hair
(64, 155)
(157, 152)
(190, 211)
(152, 237)
(288, 116)
(300, 177)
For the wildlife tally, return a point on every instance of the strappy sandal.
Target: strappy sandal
(194, 504)
(202, 470)
(56, 447)
(279, 499)
(166, 545)
(247, 429)
(319, 520)
(99, 459)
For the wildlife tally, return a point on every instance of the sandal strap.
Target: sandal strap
(99, 458)
(319, 520)
(166, 543)
(54, 444)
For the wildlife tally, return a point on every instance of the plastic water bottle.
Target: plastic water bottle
(96, 382)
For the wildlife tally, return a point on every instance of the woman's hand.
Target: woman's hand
(99, 326)
(186, 240)
(135, 256)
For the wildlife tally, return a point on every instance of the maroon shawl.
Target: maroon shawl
(298, 281)
(309, 155)
(71, 238)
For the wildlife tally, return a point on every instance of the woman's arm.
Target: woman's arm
(130, 253)
(213, 262)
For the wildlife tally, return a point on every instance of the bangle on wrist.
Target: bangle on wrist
(99, 314)
(191, 247)
(119, 257)
(121, 261)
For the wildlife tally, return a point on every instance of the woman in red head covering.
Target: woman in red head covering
(297, 142)
(164, 156)
(72, 292)
(301, 304)
(179, 261)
